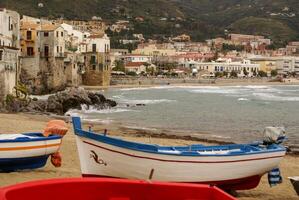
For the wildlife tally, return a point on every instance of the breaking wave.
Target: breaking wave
(272, 97)
(93, 109)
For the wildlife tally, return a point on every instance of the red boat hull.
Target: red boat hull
(236, 184)
(110, 189)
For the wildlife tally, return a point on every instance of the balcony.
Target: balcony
(60, 55)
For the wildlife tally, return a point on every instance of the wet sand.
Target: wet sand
(12, 123)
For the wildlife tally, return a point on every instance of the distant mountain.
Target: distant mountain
(202, 19)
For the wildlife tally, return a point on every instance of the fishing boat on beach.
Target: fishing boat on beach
(31, 150)
(110, 189)
(236, 166)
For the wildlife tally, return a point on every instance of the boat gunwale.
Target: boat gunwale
(149, 148)
(37, 139)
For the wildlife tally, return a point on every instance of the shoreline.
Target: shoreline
(220, 82)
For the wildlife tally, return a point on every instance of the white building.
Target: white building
(9, 51)
(226, 66)
(95, 43)
(288, 65)
(138, 58)
(74, 37)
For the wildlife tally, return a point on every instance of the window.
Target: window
(93, 60)
(1, 54)
(57, 49)
(57, 34)
(9, 24)
(29, 35)
(46, 34)
(46, 51)
(60, 49)
(61, 34)
(30, 51)
(94, 47)
(101, 67)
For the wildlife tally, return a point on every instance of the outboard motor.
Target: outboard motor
(274, 135)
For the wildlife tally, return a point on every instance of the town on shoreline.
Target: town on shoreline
(42, 56)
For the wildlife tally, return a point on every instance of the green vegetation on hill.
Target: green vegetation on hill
(202, 19)
(271, 28)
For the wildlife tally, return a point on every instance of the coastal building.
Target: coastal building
(9, 51)
(288, 65)
(155, 50)
(139, 67)
(96, 51)
(119, 26)
(73, 37)
(267, 64)
(137, 58)
(30, 55)
(181, 38)
(74, 68)
(42, 57)
(241, 68)
(95, 25)
(116, 55)
(241, 39)
(52, 48)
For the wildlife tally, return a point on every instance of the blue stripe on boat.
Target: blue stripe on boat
(39, 137)
(16, 164)
(193, 150)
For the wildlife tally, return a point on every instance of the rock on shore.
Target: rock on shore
(72, 98)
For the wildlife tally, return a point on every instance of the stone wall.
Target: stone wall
(98, 71)
(96, 78)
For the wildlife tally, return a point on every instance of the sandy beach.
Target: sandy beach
(12, 123)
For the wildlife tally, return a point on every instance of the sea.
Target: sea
(226, 113)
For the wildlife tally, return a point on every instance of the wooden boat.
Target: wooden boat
(295, 182)
(31, 150)
(235, 167)
(110, 189)
(26, 151)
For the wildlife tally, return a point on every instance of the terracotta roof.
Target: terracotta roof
(49, 27)
(29, 25)
(134, 64)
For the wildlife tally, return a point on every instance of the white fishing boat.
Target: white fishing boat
(237, 166)
(31, 150)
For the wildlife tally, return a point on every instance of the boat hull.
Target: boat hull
(228, 172)
(110, 189)
(17, 164)
(27, 154)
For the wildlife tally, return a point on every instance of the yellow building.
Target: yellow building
(267, 64)
(154, 50)
(29, 39)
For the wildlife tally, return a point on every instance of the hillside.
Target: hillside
(202, 19)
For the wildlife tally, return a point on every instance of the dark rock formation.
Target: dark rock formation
(61, 102)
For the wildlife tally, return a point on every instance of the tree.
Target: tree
(254, 73)
(218, 74)
(294, 74)
(131, 73)
(245, 72)
(262, 74)
(234, 74)
(274, 73)
(119, 66)
(225, 73)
